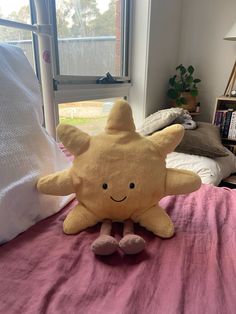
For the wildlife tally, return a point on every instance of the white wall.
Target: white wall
(170, 32)
(156, 35)
(164, 37)
(204, 24)
(139, 58)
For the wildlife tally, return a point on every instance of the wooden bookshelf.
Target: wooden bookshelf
(225, 118)
(224, 103)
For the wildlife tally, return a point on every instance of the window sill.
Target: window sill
(72, 93)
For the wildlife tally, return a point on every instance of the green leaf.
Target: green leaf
(189, 79)
(172, 80)
(194, 92)
(191, 69)
(178, 67)
(183, 70)
(196, 81)
(183, 100)
(173, 94)
(178, 87)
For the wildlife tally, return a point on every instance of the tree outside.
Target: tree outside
(7, 33)
(75, 18)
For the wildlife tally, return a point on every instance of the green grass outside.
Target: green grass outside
(74, 121)
(79, 121)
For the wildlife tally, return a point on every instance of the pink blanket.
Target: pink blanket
(45, 271)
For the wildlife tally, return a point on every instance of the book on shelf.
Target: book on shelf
(219, 117)
(232, 127)
(226, 121)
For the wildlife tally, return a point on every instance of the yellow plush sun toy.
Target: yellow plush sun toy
(121, 176)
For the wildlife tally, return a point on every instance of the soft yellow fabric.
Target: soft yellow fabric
(120, 174)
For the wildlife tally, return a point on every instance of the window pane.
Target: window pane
(89, 37)
(89, 116)
(15, 38)
(17, 11)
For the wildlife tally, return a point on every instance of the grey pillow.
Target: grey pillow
(159, 120)
(203, 141)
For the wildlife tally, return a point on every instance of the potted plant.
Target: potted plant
(183, 88)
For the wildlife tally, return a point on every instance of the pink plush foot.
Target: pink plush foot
(104, 245)
(132, 244)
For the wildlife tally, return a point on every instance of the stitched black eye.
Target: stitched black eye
(131, 185)
(104, 186)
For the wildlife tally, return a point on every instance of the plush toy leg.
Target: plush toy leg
(105, 244)
(78, 219)
(157, 220)
(131, 243)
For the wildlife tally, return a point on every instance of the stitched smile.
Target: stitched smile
(118, 200)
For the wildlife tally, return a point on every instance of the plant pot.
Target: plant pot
(191, 104)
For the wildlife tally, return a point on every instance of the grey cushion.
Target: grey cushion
(203, 141)
(159, 120)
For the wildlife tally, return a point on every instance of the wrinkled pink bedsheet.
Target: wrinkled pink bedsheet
(46, 271)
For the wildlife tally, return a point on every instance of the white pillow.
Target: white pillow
(211, 171)
(26, 150)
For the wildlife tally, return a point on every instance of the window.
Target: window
(91, 38)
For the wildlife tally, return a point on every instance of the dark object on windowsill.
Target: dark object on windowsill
(108, 79)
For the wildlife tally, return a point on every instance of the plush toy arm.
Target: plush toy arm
(181, 181)
(58, 183)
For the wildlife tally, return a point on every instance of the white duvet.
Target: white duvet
(211, 171)
(26, 150)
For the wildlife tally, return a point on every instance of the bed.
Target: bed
(42, 270)
(45, 271)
